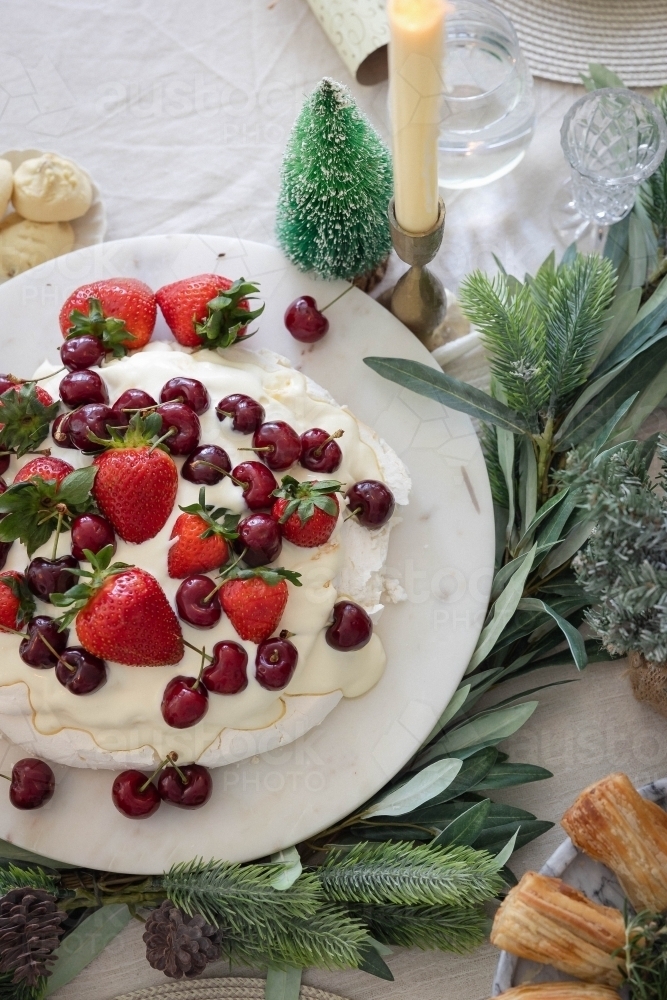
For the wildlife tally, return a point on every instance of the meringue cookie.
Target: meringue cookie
(24, 244)
(6, 184)
(49, 188)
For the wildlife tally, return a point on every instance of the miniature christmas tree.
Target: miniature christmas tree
(336, 186)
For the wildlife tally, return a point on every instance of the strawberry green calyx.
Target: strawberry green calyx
(19, 589)
(269, 574)
(305, 497)
(141, 432)
(25, 419)
(37, 507)
(226, 317)
(211, 514)
(91, 581)
(112, 332)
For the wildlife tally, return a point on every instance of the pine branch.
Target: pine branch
(405, 874)
(581, 293)
(645, 956)
(513, 335)
(20, 991)
(653, 193)
(239, 897)
(458, 930)
(13, 877)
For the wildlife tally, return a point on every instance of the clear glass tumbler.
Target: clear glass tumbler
(488, 109)
(613, 140)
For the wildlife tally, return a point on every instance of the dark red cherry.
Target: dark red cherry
(189, 789)
(227, 672)
(33, 651)
(245, 413)
(33, 783)
(60, 431)
(6, 382)
(275, 663)
(305, 321)
(91, 531)
(82, 352)
(371, 501)
(207, 465)
(81, 387)
(81, 672)
(258, 484)
(190, 391)
(182, 425)
(260, 538)
(351, 627)
(4, 552)
(51, 576)
(277, 444)
(320, 452)
(135, 795)
(132, 401)
(184, 702)
(4, 463)
(198, 602)
(94, 418)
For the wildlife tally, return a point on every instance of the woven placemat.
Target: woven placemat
(561, 37)
(236, 988)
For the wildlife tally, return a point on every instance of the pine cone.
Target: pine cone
(30, 931)
(179, 945)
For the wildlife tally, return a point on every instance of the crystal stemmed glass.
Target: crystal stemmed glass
(613, 140)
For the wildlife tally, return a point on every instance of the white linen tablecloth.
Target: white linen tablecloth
(181, 111)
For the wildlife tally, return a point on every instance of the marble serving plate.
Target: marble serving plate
(590, 877)
(442, 554)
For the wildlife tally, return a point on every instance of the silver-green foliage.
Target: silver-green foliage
(623, 568)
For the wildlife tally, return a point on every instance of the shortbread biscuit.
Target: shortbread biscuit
(24, 244)
(49, 188)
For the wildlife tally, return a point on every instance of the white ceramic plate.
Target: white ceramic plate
(91, 227)
(442, 553)
(591, 878)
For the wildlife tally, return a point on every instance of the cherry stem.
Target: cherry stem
(169, 759)
(202, 461)
(348, 289)
(5, 776)
(59, 528)
(27, 381)
(229, 569)
(357, 510)
(170, 433)
(197, 649)
(332, 437)
(266, 447)
(204, 657)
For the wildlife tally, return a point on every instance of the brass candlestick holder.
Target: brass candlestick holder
(418, 297)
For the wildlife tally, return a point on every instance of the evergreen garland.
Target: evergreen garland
(335, 188)
(458, 930)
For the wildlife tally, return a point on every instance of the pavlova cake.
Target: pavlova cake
(192, 543)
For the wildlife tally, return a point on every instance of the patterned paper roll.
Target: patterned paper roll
(359, 32)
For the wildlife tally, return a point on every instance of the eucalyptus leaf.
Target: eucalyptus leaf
(507, 775)
(568, 547)
(649, 320)
(609, 428)
(599, 76)
(15, 853)
(503, 856)
(373, 963)
(503, 610)
(622, 315)
(282, 984)
(505, 441)
(574, 638)
(291, 860)
(488, 727)
(455, 703)
(435, 384)
(527, 483)
(616, 250)
(495, 839)
(503, 575)
(466, 827)
(425, 785)
(85, 943)
(647, 401)
(589, 393)
(540, 516)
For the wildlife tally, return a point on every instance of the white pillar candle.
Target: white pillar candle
(416, 85)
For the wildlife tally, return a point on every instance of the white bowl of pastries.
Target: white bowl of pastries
(562, 930)
(49, 205)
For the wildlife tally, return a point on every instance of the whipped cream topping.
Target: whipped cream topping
(121, 724)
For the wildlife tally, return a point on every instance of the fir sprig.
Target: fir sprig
(454, 929)
(13, 877)
(10, 990)
(645, 956)
(407, 875)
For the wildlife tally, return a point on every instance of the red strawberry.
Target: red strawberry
(192, 552)
(254, 600)
(118, 311)
(10, 604)
(207, 310)
(308, 512)
(123, 615)
(136, 482)
(46, 468)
